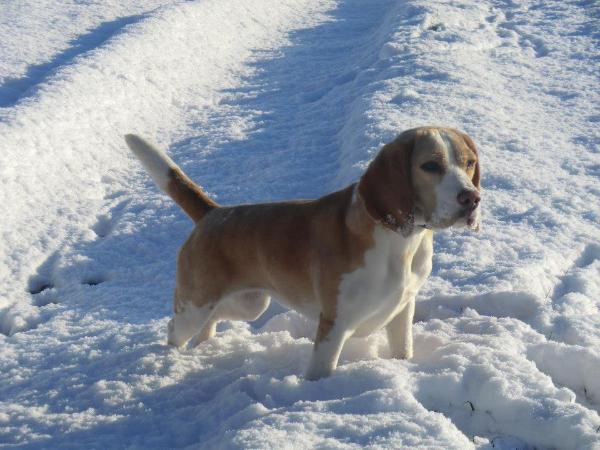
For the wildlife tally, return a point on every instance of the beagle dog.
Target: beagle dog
(352, 260)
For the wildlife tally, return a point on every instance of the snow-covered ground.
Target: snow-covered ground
(269, 100)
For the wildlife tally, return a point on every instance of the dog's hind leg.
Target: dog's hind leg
(248, 305)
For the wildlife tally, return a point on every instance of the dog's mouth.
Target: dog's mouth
(471, 217)
(467, 217)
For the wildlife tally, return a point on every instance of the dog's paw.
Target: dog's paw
(403, 354)
(317, 371)
(171, 335)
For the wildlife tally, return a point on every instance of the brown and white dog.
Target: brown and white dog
(354, 259)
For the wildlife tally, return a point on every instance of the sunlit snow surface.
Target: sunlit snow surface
(262, 101)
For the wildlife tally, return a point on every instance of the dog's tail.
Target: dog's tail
(171, 179)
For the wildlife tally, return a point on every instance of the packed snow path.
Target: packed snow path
(264, 101)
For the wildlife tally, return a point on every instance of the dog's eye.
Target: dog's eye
(470, 164)
(431, 167)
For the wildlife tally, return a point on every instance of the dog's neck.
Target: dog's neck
(358, 218)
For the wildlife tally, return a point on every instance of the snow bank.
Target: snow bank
(40, 36)
(271, 100)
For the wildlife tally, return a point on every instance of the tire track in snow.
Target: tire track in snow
(161, 230)
(284, 122)
(69, 134)
(489, 377)
(52, 34)
(559, 354)
(14, 90)
(276, 136)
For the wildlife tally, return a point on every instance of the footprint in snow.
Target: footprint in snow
(106, 223)
(42, 291)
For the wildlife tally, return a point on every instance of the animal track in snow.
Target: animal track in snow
(37, 285)
(94, 281)
(570, 366)
(576, 278)
(509, 28)
(54, 275)
(465, 369)
(517, 305)
(537, 44)
(555, 343)
(103, 226)
(42, 291)
(107, 221)
(576, 317)
(41, 285)
(590, 254)
(562, 357)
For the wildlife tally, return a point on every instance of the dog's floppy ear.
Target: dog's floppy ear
(477, 175)
(386, 187)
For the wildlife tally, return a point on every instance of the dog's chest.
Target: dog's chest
(393, 270)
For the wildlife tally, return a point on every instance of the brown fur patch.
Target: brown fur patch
(325, 326)
(192, 199)
(477, 174)
(386, 187)
(297, 251)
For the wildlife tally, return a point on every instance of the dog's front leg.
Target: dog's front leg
(399, 332)
(326, 351)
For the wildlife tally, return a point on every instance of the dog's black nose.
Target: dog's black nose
(468, 199)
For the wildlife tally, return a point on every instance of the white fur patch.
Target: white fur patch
(326, 354)
(187, 322)
(454, 181)
(156, 162)
(373, 294)
(474, 220)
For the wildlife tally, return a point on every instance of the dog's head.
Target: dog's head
(428, 176)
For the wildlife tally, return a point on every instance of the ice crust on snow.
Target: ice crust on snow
(262, 101)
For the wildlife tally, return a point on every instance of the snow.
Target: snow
(262, 101)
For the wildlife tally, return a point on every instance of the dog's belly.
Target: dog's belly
(307, 307)
(383, 311)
